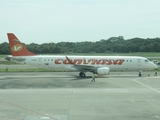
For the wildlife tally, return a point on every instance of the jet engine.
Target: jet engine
(103, 71)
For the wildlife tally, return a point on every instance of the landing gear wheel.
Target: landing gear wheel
(140, 74)
(81, 74)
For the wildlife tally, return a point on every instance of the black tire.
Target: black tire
(81, 74)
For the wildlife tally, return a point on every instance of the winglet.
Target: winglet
(16, 47)
(70, 61)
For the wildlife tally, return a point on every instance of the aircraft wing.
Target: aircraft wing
(84, 67)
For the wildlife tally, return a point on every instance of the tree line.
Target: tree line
(111, 45)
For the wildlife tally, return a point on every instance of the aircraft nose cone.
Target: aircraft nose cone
(155, 66)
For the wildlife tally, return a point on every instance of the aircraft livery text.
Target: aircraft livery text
(90, 61)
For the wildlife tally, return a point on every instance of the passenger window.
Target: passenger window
(130, 60)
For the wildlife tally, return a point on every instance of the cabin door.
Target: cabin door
(139, 62)
(39, 61)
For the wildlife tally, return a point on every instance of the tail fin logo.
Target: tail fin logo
(17, 47)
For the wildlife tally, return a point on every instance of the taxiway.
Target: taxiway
(65, 96)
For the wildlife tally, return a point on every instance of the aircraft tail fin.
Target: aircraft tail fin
(17, 48)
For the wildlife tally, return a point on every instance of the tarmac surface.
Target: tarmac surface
(66, 96)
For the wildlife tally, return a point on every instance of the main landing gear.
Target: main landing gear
(140, 73)
(82, 74)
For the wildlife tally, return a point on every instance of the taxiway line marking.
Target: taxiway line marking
(20, 107)
(146, 86)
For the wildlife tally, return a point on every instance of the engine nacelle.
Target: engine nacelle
(103, 71)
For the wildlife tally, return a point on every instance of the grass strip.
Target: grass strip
(25, 70)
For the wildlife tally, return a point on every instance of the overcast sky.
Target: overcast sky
(44, 21)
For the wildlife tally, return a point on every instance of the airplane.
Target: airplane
(100, 65)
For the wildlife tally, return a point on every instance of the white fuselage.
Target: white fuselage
(114, 63)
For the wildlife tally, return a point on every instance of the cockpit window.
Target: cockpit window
(146, 60)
